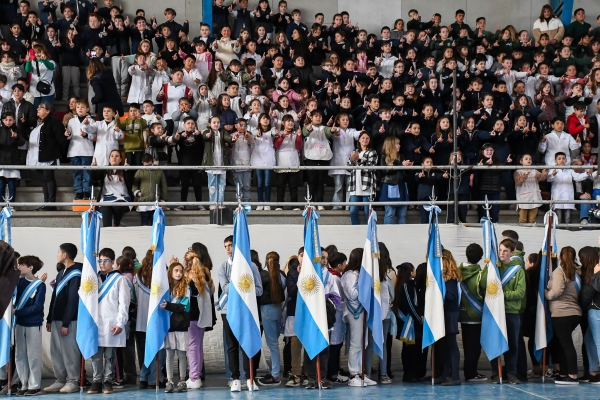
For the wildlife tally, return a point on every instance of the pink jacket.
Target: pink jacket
(292, 96)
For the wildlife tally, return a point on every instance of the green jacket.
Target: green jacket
(133, 129)
(208, 157)
(471, 276)
(145, 181)
(519, 257)
(514, 291)
(560, 67)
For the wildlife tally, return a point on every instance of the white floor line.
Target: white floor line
(525, 391)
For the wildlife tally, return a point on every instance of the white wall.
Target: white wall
(373, 14)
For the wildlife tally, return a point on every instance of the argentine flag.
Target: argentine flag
(310, 323)
(242, 310)
(369, 285)
(433, 325)
(493, 324)
(87, 314)
(158, 318)
(6, 324)
(543, 323)
(5, 228)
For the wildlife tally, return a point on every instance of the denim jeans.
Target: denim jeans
(271, 321)
(12, 187)
(591, 350)
(243, 180)
(354, 209)
(81, 178)
(263, 184)
(584, 211)
(339, 194)
(146, 217)
(594, 327)
(38, 100)
(147, 374)
(392, 212)
(216, 188)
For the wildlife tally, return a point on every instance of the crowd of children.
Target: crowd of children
(573, 294)
(227, 96)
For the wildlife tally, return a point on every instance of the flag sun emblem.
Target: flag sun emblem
(89, 286)
(377, 287)
(155, 288)
(310, 285)
(429, 281)
(493, 288)
(245, 283)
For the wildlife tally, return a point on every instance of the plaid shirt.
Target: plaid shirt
(368, 158)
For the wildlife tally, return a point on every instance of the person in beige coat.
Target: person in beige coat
(550, 24)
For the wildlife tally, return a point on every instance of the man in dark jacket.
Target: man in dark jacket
(47, 143)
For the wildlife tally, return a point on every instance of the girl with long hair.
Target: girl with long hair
(142, 281)
(393, 187)
(589, 296)
(451, 354)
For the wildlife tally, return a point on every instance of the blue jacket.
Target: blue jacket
(32, 314)
(64, 306)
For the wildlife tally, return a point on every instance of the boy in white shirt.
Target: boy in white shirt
(150, 115)
(385, 63)
(508, 75)
(81, 148)
(113, 314)
(558, 141)
(191, 75)
(562, 186)
(107, 134)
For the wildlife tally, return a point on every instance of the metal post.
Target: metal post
(455, 145)
(549, 258)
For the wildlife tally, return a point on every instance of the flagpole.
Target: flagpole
(500, 368)
(9, 368)
(81, 375)
(157, 371)
(549, 258)
(432, 365)
(364, 348)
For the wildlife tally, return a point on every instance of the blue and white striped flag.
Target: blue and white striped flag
(310, 323)
(493, 324)
(5, 228)
(242, 310)
(159, 319)
(369, 285)
(433, 325)
(543, 323)
(6, 324)
(87, 314)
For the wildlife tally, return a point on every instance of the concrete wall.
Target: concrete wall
(373, 14)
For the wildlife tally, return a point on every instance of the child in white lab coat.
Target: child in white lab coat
(562, 186)
(107, 134)
(141, 73)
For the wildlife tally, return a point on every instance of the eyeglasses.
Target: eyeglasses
(42, 108)
(102, 261)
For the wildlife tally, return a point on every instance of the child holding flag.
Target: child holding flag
(29, 313)
(113, 313)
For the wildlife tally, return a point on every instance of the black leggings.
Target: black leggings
(185, 176)
(135, 159)
(316, 179)
(291, 179)
(451, 356)
(112, 216)
(563, 331)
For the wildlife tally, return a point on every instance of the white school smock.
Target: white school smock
(287, 154)
(159, 78)
(555, 142)
(113, 311)
(562, 186)
(343, 145)
(107, 139)
(189, 79)
(143, 300)
(337, 334)
(316, 145)
(529, 192)
(241, 152)
(12, 74)
(263, 153)
(174, 93)
(80, 146)
(140, 89)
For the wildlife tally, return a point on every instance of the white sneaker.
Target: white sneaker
(259, 208)
(236, 385)
(252, 386)
(355, 382)
(279, 209)
(244, 386)
(296, 209)
(369, 381)
(54, 388)
(197, 384)
(229, 382)
(70, 387)
(320, 208)
(267, 208)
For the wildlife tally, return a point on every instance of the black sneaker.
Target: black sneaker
(143, 385)
(33, 392)
(21, 392)
(585, 378)
(449, 382)
(312, 384)
(325, 384)
(566, 380)
(513, 380)
(107, 387)
(78, 196)
(594, 379)
(95, 388)
(495, 379)
(118, 384)
(268, 381)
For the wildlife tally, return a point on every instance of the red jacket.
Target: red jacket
(574, 126)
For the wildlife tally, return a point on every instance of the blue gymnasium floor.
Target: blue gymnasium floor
(216, 389)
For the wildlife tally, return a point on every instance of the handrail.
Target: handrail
(299, 168)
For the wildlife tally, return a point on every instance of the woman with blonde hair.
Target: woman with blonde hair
(450, 353)
(393, 186)
(41, 68)
(201, 290)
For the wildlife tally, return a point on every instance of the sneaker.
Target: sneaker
(33, 392)
(449, 382)
(312, 384)
(54, 388)
(513, 380)
(107, 387)
(296, 209)
(336, 208)
(236, 385)
(339, 378)
(197, 384)
(252, 386)
(181, 387)
(325, 384)
(170, 387)
(143, 385)
(566, 380)
(320, 208)
(244, 385)
(294, 381)
(269, 381)
(304, 380)
(201, 208)
(95, 388)
(385, 380)
(279, 209)
(369, 381)
(78, 196)
(70, 387)
(259, 208)
(21, 392)
(552, 375)
(594, 379)
(585, 378)
(179, 208)
(355, 381)
(478, 378)
(229, 382)
(495, 379)
(267, 208)
(118, 384)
